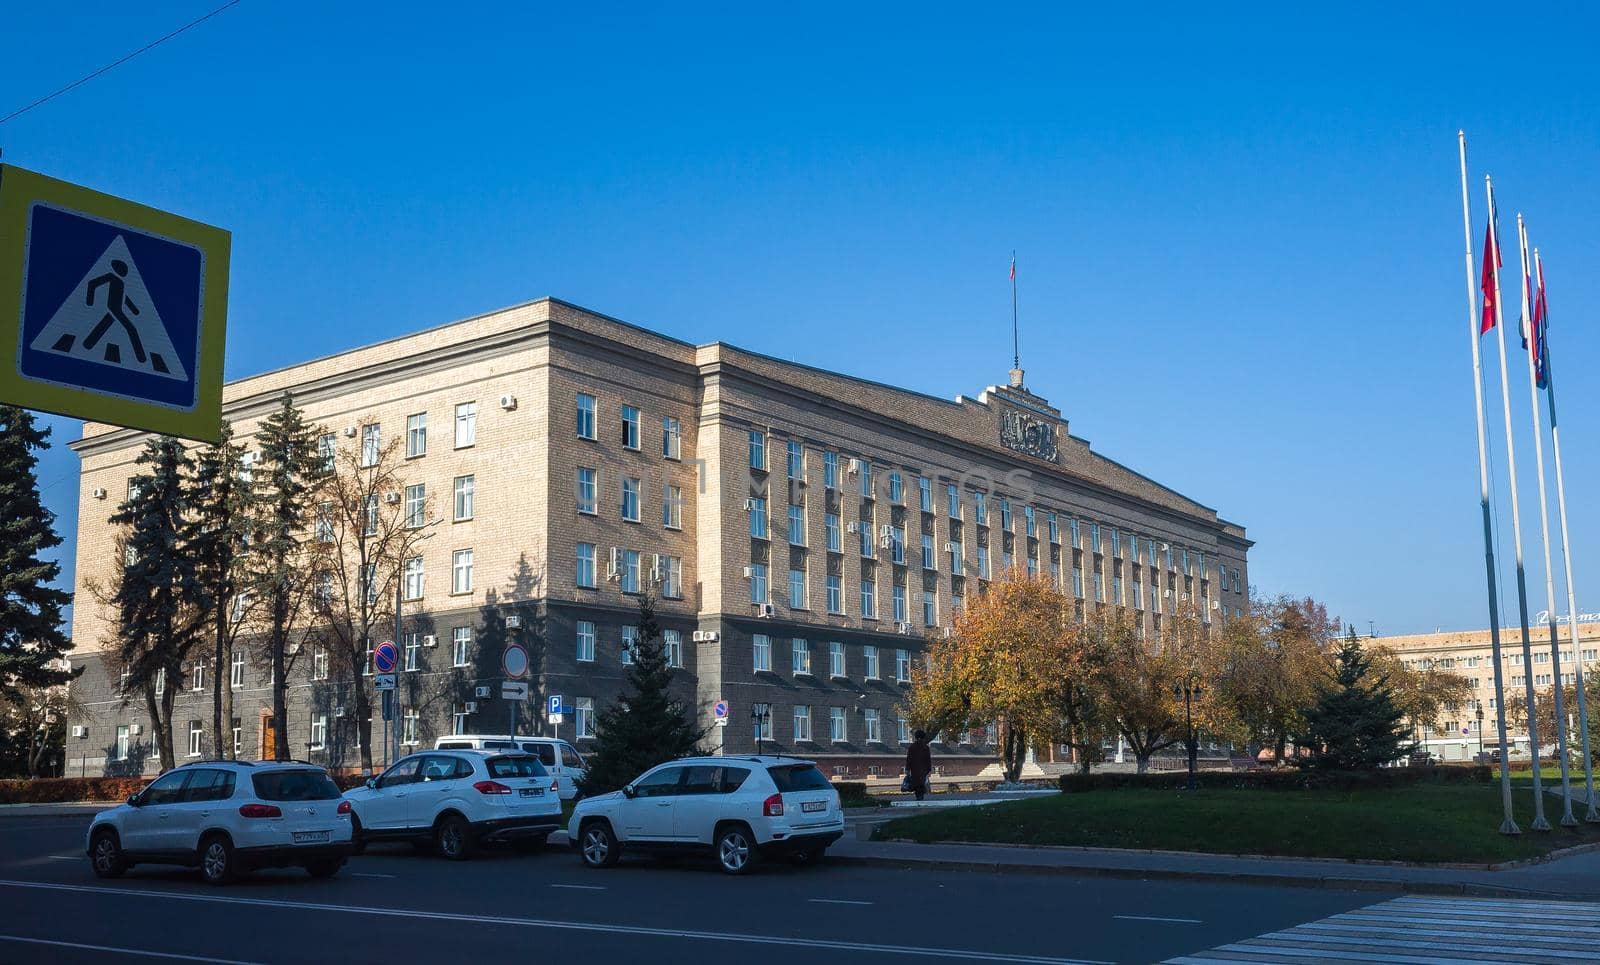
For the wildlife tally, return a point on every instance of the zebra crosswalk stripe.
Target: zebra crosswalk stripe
(1417, 930)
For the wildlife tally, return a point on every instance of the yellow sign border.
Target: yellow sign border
(19, 190)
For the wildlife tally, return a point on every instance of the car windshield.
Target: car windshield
(299, 784)
(518, 766)
(798, 777)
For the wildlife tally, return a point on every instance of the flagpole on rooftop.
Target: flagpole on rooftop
(1508, 824)
(1566, 553)
(1539, 821)
(1567, 820)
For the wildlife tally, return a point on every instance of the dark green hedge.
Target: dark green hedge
(1286, 779)
(65, 790)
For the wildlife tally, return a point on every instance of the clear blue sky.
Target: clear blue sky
(1239, 234)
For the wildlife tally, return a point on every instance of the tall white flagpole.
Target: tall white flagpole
(1566, 557)
(1539, 822)
(1508, 824)
(1567, 820)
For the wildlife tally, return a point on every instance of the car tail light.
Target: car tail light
(344, 807)
(555, 785)
(491, 787)
(259, 811)
(772, 807)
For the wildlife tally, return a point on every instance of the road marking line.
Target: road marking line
(121, 951)
(65, 857)
(1181, 921)
(368, 874)
(573, 926)
(581, 887)
(837, 901)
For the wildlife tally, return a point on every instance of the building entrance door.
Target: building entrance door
(269, 738)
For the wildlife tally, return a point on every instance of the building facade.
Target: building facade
(805, 532)
(1470, 654)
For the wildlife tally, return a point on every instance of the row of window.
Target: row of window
(800, 659)
(838, 725)
(588, 419)
(630, 501)
(585, 636)
(1510, 656)
(466, 436)
(627, 568)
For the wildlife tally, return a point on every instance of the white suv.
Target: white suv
(457, 800)
(736, 808)
(227, 817)
(557, 756)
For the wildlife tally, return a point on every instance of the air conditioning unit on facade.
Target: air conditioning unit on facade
(949, 632)
(767, 610)
(470, 707)
(886, 541)
(482, 693)
(852, 527)
(902, 628)
(749, 505)
(508, 402)
(349, 432)
(853, 466)
(338, 711)
(949, 547)
(136, 729)
(97, 493)
(78, 730)
(885, 530)
(514, 622)
(391, 498)
(705, 636)
(294, 649)
(429, 640)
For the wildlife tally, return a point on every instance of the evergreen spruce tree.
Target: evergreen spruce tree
(31, 639)
(157, 597)
(222, 500)
(280, 575)
(647, 725)
(1356, 722)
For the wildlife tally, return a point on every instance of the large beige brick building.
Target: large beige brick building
(805, 530)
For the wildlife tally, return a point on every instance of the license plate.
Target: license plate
(310, 837)
(810, 806)
(533, 792)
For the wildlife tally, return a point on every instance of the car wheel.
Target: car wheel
(452, 838)
(358, 840)
(598, 845)
(736, 850)
(217, 862)
(326, 868)
(105, 853)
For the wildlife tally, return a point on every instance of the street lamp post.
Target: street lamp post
(1190, 692)
(1480, 733)
(759, 715)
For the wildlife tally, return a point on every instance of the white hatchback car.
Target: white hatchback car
(457, 800)
(734, 808)
(227, 817)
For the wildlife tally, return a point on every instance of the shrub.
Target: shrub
(64, 790)
(853, 794)
(1283, 780)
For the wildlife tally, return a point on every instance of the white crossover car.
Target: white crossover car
(735, 808)
(456, 800)
(226, 817)
(558, 757)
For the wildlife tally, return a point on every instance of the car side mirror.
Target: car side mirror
(628, 791)
(133, 799)
(372, 783)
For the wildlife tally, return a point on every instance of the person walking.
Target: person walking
(919, 763)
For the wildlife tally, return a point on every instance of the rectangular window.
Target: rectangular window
(461, 571)
(869, 654)
(466, 424)
(835, 594)
(758, 516)
(830, 470)
(199, 675)
(928, 561)
(830, 525)
(864, 532)
(630, 644)
(758, 449)
(672, 507)
(630, 499)
(413, 578)
(874, 727)
(319, 663)
(896, 491)
(902, 731)
(588, 491)
(416, 435)
(1116, 542)
(1094, 538)
(897, 545)
(464, 494)
(980, 509)
(369, 516)
(802, 722)
(238, 737)
(802, 656)
(319, 732)
(371, 441)
(797, 589)
(1030, 525)
(460, 646)
(797, 525)
(327, 445)
(416, 506)
(866, 479)
(758, 582)
(586, 416)
(955, 557)
(583, 717)
(925, 493)
(630, 571)
(761, 721)
(930, 608)
(672, 577)
(236, 669)
(671, 438)
(902, 666)
(121, 753)
(413, 650)
(630, 427)
(797, 460)
(1053, 527)
(672, 641)
(1099, 587)
(1138, 595)
(585, 576)
(869, 598)
(835, 659)
(1077, 543)
(836, 724)
(585, 641)
(898, 594)
(761, 652)
(983, 562)
(408, 729)
(953, 495)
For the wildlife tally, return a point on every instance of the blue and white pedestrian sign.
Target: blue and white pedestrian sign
(119, 309)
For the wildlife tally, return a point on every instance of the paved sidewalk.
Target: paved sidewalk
(1576, 876)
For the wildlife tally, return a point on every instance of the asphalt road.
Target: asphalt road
(393, 905)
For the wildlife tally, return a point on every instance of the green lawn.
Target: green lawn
(1422, 823)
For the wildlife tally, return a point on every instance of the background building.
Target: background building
(805, 531)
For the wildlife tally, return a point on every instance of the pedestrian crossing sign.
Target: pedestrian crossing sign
(110, 311)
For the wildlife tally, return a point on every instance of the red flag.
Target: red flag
(1013, 267)
(1541, 360)
(1491, 261)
